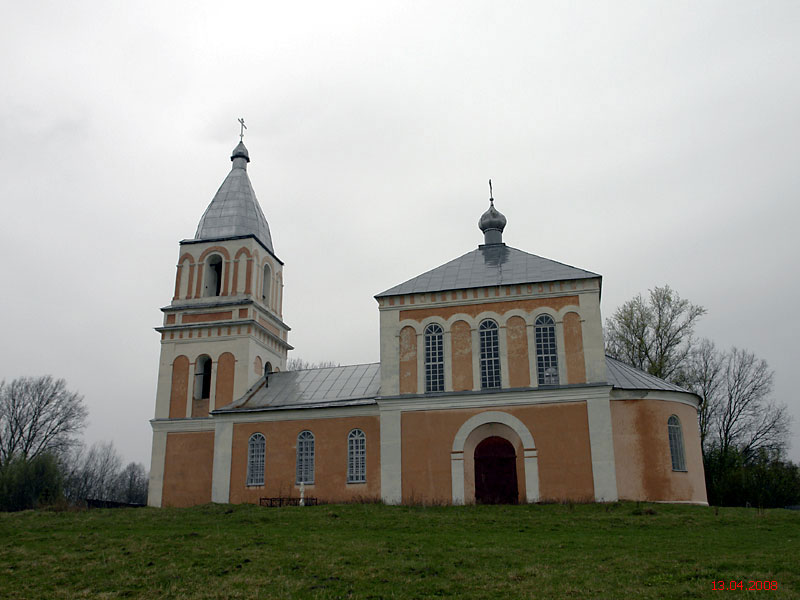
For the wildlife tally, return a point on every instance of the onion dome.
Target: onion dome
(492, 223)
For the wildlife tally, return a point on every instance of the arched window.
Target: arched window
(490, 355)
(256, 449)
(213, 276)
(266, 281)
(305, 457)
(268, 368)
(356, 457)
(434, 358)
(676, 444)
(546, 353)
(202, 378)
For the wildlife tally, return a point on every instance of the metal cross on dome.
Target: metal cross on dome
(241, 131)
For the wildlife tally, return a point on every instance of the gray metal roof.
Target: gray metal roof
(354, 385)
(235, 211)
(311, 388)
(495, 264)
(626, 377)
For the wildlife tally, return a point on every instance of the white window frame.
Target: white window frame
(489, 335)
(256, 459)
(434, 358)
(546, 350)
(305, 458)
(356, 456)
(676, 450)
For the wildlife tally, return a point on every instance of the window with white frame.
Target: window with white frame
(434, 358)
(490, 354)
(256, 450)
(266, 282)
(202, 378)
(305, 457)
(356, 457)
(676, 443)
(213, 276)
(546, 353)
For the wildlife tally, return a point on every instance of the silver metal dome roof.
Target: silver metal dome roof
(235, 211)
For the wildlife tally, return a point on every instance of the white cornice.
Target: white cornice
(549, 396)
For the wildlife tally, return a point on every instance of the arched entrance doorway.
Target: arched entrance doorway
(496, 472)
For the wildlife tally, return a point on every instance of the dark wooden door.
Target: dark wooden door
(495, 472)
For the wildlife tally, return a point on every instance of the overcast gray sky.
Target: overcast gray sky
(650, 142)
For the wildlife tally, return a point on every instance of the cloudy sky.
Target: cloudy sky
(651, 142)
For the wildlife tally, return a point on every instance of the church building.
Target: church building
(492, 386)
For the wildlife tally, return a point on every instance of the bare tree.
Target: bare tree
(747, 417)
(703, 374)
(736, 409)
(132, 484)
(654, 335)
(92, 472)
(299, 364)
(37, 415)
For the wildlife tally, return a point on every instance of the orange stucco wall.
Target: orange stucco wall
(461, 342)
(187, 468)
(642, 456)
(573, 348)
(408, 361)
(518, 366)
(330, 462)
(206, 317)
(180, 387)
(560, 431)
(225, 369)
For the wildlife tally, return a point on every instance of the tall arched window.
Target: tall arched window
(256, 449)
(490, 355)
(546, 353)
(356, 457)
(305, 457)
(266, 282)
(434, 358)
(202, 378)
(676, 443)
(212, 279)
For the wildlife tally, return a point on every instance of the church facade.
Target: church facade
(492, 386)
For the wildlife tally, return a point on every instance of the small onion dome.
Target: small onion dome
(240, 152)
(492, 223)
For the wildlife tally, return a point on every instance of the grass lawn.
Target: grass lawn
(374, 551)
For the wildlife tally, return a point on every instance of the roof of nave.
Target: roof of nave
(360, 384)
(313, 388)
(235, 211)
(626, 377)
(489, 265)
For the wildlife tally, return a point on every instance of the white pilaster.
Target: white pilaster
(476, 359)
(529, 330)
(157, 458)
(457, 476)
(502, 342)
(531, 457)
(221, 475)
(601, 441)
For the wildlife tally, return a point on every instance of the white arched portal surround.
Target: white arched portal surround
(475, 430)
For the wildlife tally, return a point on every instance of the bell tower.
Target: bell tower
(223, 329)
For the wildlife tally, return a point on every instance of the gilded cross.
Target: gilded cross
(241, 131)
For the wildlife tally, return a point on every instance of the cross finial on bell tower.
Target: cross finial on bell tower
(491, 195)
(241, 130)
